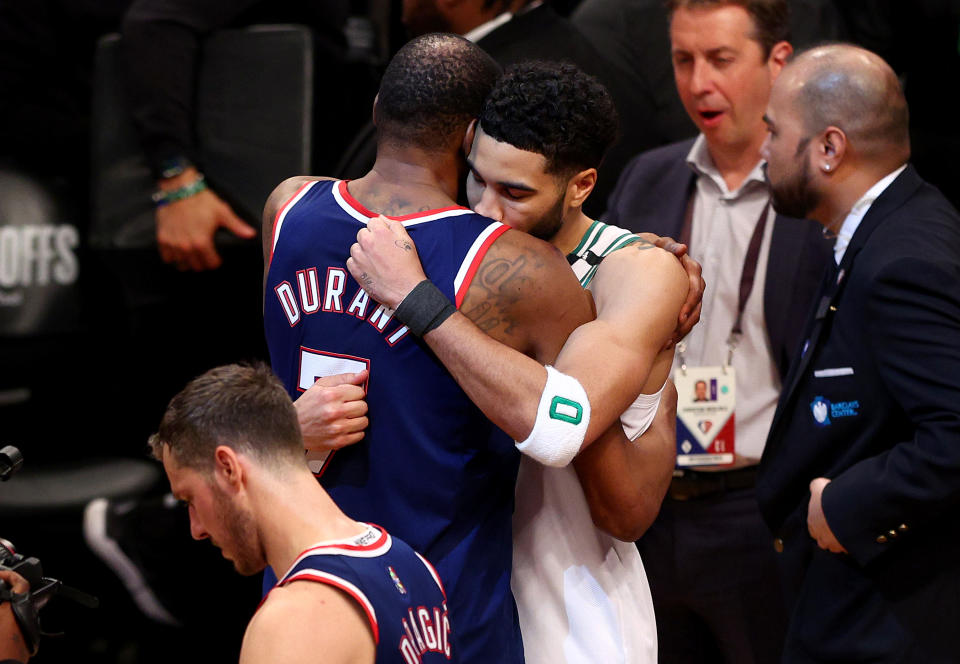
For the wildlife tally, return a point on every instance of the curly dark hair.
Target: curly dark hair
(432, 89)
(553, 109)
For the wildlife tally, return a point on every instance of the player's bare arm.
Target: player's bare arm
(692, 307)
(521, 306)
(305, 620)
(625, 481)
(638, 292)
(634, 328)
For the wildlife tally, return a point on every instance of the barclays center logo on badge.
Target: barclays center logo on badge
(824, 411)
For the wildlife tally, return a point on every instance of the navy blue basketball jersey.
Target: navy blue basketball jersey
(398, 590)
(431, 468)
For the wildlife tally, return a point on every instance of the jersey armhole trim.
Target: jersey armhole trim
(473, 259)
(343, 585)
(433, 573)
(282, 214)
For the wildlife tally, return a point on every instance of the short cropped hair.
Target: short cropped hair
(241, 406)
(771, 18)
(867, 103)
(431, 91)
(553, 109)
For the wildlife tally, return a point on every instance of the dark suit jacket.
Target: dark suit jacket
(652, 195)
(884, 426)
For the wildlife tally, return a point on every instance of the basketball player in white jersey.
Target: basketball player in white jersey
(582, 595)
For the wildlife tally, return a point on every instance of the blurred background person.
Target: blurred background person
(709, 557)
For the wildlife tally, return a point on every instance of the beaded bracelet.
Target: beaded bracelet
(163, 197)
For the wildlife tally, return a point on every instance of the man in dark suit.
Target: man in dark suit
(863, 456)
(709, 556)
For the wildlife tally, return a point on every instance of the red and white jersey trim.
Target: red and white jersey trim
(355, 209)
(282, 212)
(461, 284)
(348, 547)
(433, 573)
(344, 585)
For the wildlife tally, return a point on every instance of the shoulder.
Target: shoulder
(522, 288)
(276, 200)
(666, 155)
(924, 228)
(649, 181)
(298, 620)
(285, 191)
(640, 288)
(640, 263)
(533, 262)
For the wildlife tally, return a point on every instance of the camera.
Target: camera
(41, 588)
(26, 606)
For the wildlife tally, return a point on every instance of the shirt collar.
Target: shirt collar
(701, 162)
(858, 211)
(485, 29)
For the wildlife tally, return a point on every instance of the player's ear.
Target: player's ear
(373, 111)
(580, 186)
(227, 469)
(468, 137)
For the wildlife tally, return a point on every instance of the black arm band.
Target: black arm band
(424, 308)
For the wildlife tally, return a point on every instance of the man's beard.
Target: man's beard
(241, 536)
(794, 197)
(549, 224)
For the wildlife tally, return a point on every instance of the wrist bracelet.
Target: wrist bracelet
(162, 197)
(424, 308)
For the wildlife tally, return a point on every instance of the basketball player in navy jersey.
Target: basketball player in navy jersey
(431, 469)
(348, 591)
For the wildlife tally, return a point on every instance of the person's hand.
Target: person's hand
(12, 644)
(690, 311)
(185, 228)
(817, 520)
(384, 261)
(333, 413)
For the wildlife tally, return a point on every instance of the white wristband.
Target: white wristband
(562, 419)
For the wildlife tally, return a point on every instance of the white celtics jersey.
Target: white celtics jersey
(582, 595)
(599, 241)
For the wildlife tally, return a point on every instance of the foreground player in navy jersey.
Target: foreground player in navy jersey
(431, 469)
(232, 449)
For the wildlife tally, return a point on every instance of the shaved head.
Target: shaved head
(854, 90)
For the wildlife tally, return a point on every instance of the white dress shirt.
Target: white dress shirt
(723, 223)
(857, 212)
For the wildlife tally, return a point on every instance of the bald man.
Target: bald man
(860, 478)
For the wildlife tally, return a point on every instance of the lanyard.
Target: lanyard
(747, 275)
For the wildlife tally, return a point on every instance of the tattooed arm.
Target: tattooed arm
(524, 295)
(521, 306)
